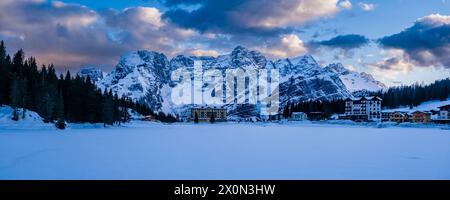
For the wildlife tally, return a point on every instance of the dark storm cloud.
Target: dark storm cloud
(55, 33)
(266, 17)
(389, 63)
(71, 35)
(345, 42)
(202, 19)
(213, 16)
(427, 42)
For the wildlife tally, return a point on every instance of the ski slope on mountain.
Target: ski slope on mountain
(226, 151)
(425, 106)
(361, 81)
(355, 81)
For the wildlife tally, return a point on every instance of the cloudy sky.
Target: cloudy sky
(398, 41)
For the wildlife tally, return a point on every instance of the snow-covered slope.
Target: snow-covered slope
(139, 75)
(93, 73)
(302, 78)
(31, 120)
(355, 81)
(145, 76)
(425, 106)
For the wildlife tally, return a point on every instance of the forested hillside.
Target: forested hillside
(415, 94)
(60, 98)
(393, 97)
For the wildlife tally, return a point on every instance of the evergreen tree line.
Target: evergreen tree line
(415, 94)
(394, 97)
(64, 98)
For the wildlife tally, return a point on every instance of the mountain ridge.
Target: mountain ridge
(145, 76)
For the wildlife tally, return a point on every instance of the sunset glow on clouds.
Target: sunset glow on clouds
(402, 38)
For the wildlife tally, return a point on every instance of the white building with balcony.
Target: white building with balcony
(363, 108)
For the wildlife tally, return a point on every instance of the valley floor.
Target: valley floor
(225, 151)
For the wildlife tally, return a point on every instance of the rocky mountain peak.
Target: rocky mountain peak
(338, 68)
(94, 73)
(241, 57)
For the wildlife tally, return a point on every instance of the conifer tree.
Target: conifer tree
(212, 118)
(196, 118)
(4, 74)
(47, 106)
(107, 109)
(17, 97)
(125, 116)
(2, 52)
(59, 112)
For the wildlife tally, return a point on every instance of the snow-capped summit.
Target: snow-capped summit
(241, 56)
(305, 65)
(355, 81)
(304, 60)
(94, 74)
(139, 75)
(338, 68)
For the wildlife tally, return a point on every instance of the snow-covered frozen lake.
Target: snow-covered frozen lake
(225, 151)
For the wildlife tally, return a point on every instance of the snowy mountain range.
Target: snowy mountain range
(145, 76)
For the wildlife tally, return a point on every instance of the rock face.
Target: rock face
(139, 75)
(145, 76)
(303, 79)
(355, 81)
(93, 73)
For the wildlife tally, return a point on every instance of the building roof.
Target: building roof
(401, 113)
(446, 107)
(388, 112)
(424, 112)
(372, 98)
(207, 107)
(298, 113)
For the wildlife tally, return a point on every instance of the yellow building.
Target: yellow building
(421, 117)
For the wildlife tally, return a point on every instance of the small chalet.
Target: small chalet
(316, 116)
(271, 117)
(386, 116)
(444, 112)
(149, 118)
(399, 117)
(421, 117)
(444, 115)
(299, 116)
